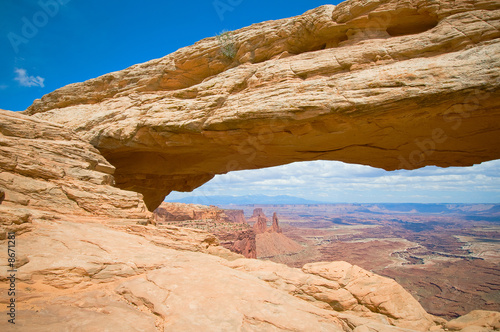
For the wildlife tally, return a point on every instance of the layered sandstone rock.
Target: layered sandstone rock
(47, 171)
(257, 212)
(260, 226)
(236, 216)
(477, 320)
(275, 227)
(182, 212)
(270, 242)
(240, 242)
(229, 226)
(384, 83)
(85, 267)
(274, 245)
(91, 277)
(348, 289)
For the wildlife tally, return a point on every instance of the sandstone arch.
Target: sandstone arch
(381, 83)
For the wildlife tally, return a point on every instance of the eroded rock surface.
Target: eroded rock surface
(183, 212)
(476, 320)
(89, 276)
(270, 242)
(93, 276)
(274, 245)
(257, 212)
(229, 226)
(348, 289)
(384, 83)
(260, 226)
(46, 170)
(275, 227)
(241, 242)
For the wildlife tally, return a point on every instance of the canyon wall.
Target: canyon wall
(229, 226)
(46, 171)
(181, 212)
(384, 83)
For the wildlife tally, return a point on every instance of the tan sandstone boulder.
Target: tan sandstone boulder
(476, 321)
(358, 296)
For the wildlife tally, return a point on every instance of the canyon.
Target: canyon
(391, 84)
(445, 255)
(231, 228)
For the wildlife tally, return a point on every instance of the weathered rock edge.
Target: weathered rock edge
(49, 172)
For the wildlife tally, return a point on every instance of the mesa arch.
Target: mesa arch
(382, 83)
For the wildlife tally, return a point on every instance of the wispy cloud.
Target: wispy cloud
(28, 81)
(337, 181)
(3, 86)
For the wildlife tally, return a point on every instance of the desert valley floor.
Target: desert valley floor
(446, 256)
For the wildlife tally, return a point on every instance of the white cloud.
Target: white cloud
(28, 81)
(341, 182)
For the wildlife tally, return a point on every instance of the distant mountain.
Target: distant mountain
(473, 211)
(241, 200)
(410, 208)
(428, 208)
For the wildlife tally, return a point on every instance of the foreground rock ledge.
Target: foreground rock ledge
(78, 274)
(387, 83)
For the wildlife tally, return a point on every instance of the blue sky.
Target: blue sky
(46, 44)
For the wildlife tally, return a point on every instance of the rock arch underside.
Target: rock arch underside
(391, 84)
